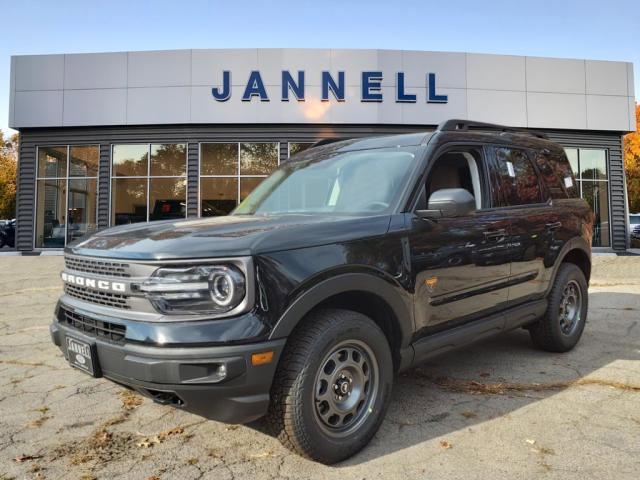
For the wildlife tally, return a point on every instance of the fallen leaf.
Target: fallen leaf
(38, 422)
(130, 400)
(544, 451)
(529, 441)
(444, 444)
(268, 453)
(24, 458)
(469, 414)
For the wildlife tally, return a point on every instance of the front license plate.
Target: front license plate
(82, 355)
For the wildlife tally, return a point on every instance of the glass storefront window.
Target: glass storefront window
(168, 160)
(597, 196)
(66, 190)
(247, 184)
(84, 161)
(230, 171)
(219, 159)
(218, 196)
(167, 198)
(128, 200)
(51, 218)
(589, 166)
(83, 195)
(148, 182)
(298, 147)
(258, 158)
(593, 164)
(52, 162)
(130, 160)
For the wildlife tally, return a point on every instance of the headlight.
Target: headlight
(211, 289)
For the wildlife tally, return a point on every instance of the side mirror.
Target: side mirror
(449, 202)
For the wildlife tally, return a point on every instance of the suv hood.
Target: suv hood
(234, 235)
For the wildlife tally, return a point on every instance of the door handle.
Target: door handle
(554, 225)
(496, 235)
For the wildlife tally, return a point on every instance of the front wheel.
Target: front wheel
(561, 327)
(332, 387)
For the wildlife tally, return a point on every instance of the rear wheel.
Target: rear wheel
(332, 387)
(563, 323)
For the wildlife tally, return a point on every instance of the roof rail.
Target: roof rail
(455, 125)
(326, 141)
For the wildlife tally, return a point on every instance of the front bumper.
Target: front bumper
(188, 377)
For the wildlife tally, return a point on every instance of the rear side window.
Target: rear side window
(515, 180)
(544, 160)
(564, 169)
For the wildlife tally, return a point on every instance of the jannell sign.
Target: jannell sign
(281, 86)
(371, 88)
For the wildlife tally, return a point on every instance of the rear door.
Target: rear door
(518, 191)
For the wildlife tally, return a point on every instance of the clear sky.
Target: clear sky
(605, 30)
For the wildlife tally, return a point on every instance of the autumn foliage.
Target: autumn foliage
(8, 164)
(632, 165)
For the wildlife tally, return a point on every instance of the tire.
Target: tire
(308, 394)
(2, 241)
(563, 323)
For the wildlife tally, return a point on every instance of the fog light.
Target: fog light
(261, 358)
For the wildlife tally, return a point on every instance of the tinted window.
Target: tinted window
(562, 166)
(517, 180)
(548, 174)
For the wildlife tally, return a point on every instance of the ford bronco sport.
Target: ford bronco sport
(355, 260)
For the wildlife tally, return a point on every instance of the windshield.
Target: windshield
(362, 182)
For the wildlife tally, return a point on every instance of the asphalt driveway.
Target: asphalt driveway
(500, 409)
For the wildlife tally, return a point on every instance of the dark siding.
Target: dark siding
(193, 134)
(26, 194)
(104, 185)
(284, 150)
(192, 179)
(617, 202)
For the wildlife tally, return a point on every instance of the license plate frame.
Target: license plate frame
(83, 355)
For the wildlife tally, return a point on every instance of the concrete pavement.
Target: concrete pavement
(500, 409)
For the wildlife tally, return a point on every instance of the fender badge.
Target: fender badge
(431, 283)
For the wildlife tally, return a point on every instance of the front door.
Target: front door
(461, 264)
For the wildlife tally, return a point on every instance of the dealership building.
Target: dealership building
(113, 138)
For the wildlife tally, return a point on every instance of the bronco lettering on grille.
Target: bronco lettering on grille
(93, 283)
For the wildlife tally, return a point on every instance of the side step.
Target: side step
(445, 341)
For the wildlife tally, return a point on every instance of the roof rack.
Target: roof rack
(456, 125)
(326, 141)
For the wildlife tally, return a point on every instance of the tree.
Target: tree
(632, 165)
(8, 175)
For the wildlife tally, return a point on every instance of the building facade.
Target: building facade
(113, 138)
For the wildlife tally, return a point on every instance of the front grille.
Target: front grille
(112, 332)
(108, 299)
(98, 267)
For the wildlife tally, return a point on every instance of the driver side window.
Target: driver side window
(458, 168)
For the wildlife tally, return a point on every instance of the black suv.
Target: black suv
(354, 260)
